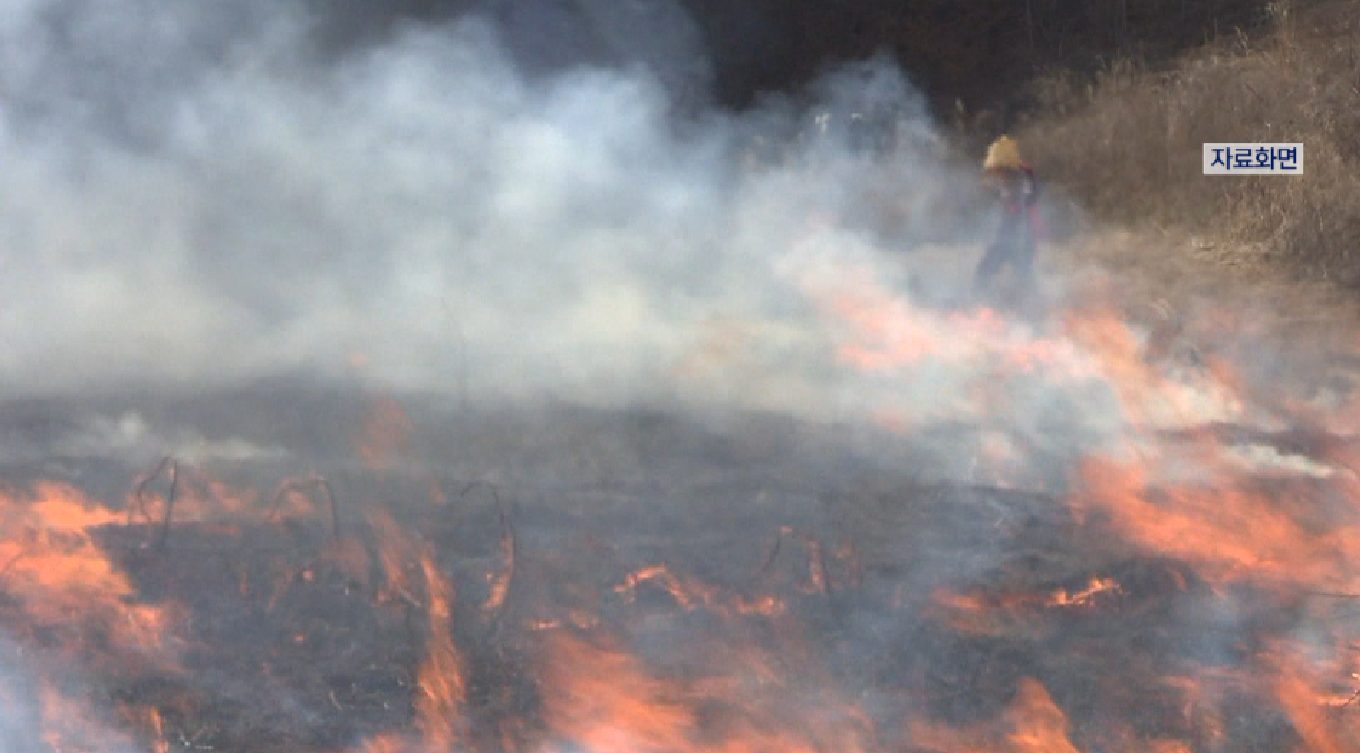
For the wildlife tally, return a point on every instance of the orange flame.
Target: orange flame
(440, 677)
(1033, 724)
(51, 561)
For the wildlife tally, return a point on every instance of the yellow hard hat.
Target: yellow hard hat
(1003, 154)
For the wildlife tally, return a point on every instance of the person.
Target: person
(1012, 179)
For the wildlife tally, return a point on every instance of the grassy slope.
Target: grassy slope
(1129, 145)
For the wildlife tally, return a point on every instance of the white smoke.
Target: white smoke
(192, 199)
(37, 716)
(186, 200)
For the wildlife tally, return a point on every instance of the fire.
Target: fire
(391, 554)
(1231, 529)
(1170, 591)
(185, 493)
(1308, 706)
(440, 683)
(603, 700)
(1193, 499)
(1093, 589)
(70, 725)
(1033, 724)
(690, 594)
(64, 592)
(1021, 613)
(51, 563)
(891, 334)
(386, 433)
(438, 712)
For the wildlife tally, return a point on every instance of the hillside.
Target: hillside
(1129, 142)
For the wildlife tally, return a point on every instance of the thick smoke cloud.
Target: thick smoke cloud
(187, 199)
(193, 197)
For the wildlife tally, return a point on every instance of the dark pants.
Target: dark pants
(1014, 245)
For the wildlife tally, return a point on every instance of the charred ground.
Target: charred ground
(702, 557)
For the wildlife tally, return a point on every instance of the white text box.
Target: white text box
(1253, 159)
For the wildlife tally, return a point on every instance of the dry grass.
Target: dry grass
(1128, 144)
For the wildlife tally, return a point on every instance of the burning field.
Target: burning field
(399, 400)
(619, 581)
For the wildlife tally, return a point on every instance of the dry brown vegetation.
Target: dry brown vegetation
(1127, 144)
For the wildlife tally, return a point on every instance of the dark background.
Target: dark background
(980, 51)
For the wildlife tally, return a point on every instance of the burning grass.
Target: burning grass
(1165, 596)
(406, 635)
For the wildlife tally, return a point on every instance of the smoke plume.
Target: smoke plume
(197, 195)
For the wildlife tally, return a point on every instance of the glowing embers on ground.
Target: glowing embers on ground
(996, 613)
